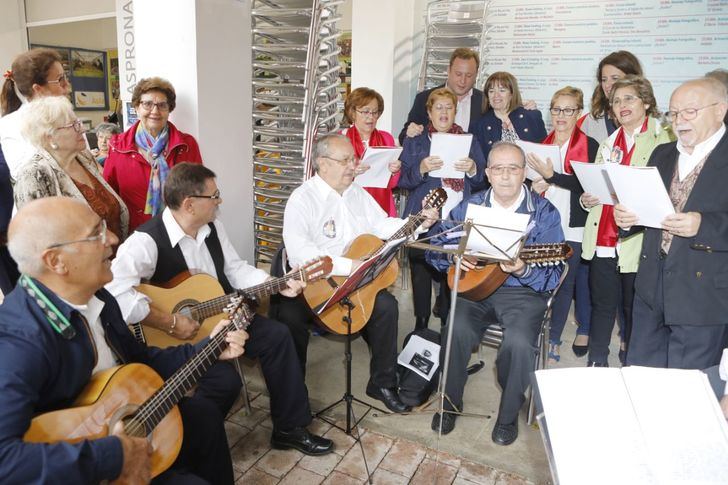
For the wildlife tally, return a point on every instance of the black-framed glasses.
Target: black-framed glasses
(565, 111)
(61, 80)
(77, 126)
(101, 236)
(343, 163)
(687, 113)
(150, 105)
(215, 196)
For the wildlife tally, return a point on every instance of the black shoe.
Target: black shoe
(597, 364)
(389, 397)
(421, 322)
(505, 434)
(302, 440)
(580, 350)
(448, 422)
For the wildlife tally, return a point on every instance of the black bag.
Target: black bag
(414, 389)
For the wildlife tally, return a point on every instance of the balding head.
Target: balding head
(706, 99)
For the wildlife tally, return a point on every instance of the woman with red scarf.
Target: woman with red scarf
(417, 163)
(563, 189)
(362, 109)
(614, 260)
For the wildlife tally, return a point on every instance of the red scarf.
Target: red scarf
(608, 234)
(376, 140)
(578, 149)
(455, 184)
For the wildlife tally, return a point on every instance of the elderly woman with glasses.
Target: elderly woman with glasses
(362, 109)
(62, 166)
(562, 189)
(34, 74)
(615, 259)
(104, 132)
(417, 163)
(141, 157)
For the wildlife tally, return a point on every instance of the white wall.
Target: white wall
(42, 10)
(12, 33)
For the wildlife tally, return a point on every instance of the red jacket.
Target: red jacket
(128, 172)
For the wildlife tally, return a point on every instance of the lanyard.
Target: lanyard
(55, 318)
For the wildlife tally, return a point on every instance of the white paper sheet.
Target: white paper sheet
(595, 181)
(450, 148)
(421, 356)
(543, 151)
(642, 191)
(501, 227)
(378, 159)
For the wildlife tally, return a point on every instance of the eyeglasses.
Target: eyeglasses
(509, 169)
(366, 112)
(343, 163)
(101, 236)
(61, 80)
(150, 105)
(627, 99)
(687, 113)
(215, 196)
(565, 111)
(76, 125)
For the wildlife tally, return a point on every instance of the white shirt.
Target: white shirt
(688, 161)
(16, 149)
(561, 199)
(723, 369)
(136, 260)
(462, 115)
(511, 208)
(319, 221)
(91, 311)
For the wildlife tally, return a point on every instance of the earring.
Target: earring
(54, 146)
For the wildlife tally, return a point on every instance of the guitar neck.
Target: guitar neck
(166, 397)
(543, 253)
(409, 227)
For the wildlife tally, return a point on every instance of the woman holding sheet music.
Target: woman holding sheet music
(417, 163)
(614, 260)
(561, 187)
(362, 109)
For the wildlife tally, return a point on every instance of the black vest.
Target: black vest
(171, 261)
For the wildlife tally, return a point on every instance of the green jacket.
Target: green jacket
(629, 247)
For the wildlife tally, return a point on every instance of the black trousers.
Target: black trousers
(605, 282)
(422, 275)
(380, 333)
(655, 344)
(520, 312)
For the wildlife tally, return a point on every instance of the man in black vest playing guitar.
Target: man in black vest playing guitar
(321, 218)
(59, 325)
(186, 235)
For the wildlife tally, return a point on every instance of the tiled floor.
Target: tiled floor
(391, 460)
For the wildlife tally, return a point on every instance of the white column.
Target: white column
(203, 48)
(13, 36)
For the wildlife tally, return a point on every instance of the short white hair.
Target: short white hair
(42, 116)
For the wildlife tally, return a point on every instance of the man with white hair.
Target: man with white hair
(681, 289)
(58, 327)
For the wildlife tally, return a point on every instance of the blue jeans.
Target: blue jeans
(575, 287)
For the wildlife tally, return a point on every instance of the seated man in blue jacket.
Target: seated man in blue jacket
(58, 326)
(518, 305)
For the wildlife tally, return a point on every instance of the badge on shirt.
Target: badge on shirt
(330, 228)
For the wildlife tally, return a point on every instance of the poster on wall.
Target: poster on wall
(86, 70)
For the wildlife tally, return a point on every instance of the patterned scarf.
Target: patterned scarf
(154, 149)
(453, 184)
(607, 234)
(375, 140)
(578, 149)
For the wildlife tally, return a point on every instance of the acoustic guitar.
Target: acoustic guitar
(136, 396)
(201, 298)
(362, 248)
(481, 282)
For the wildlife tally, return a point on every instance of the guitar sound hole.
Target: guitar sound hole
(185, 307)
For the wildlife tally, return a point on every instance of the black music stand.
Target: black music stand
(367, 272)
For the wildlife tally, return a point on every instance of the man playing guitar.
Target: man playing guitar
(322, 217)
(188, 235)
(518, 305)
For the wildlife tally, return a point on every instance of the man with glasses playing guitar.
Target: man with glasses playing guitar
(518, 305)
(187, 235)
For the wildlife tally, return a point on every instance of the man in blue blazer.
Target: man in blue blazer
(681, 289)
(461, 76)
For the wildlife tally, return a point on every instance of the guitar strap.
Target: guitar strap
(55, 317)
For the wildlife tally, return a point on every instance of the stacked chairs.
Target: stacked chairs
(295, 97)
(450, 24)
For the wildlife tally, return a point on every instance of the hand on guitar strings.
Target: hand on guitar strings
(185, 328)
(137, 465)
(431, 216)
(295, 287)
(516, 269)
(235, 339)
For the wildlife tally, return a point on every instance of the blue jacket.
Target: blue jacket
(417, 148)
(528, 123)
(547, 229)
(41, 371)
